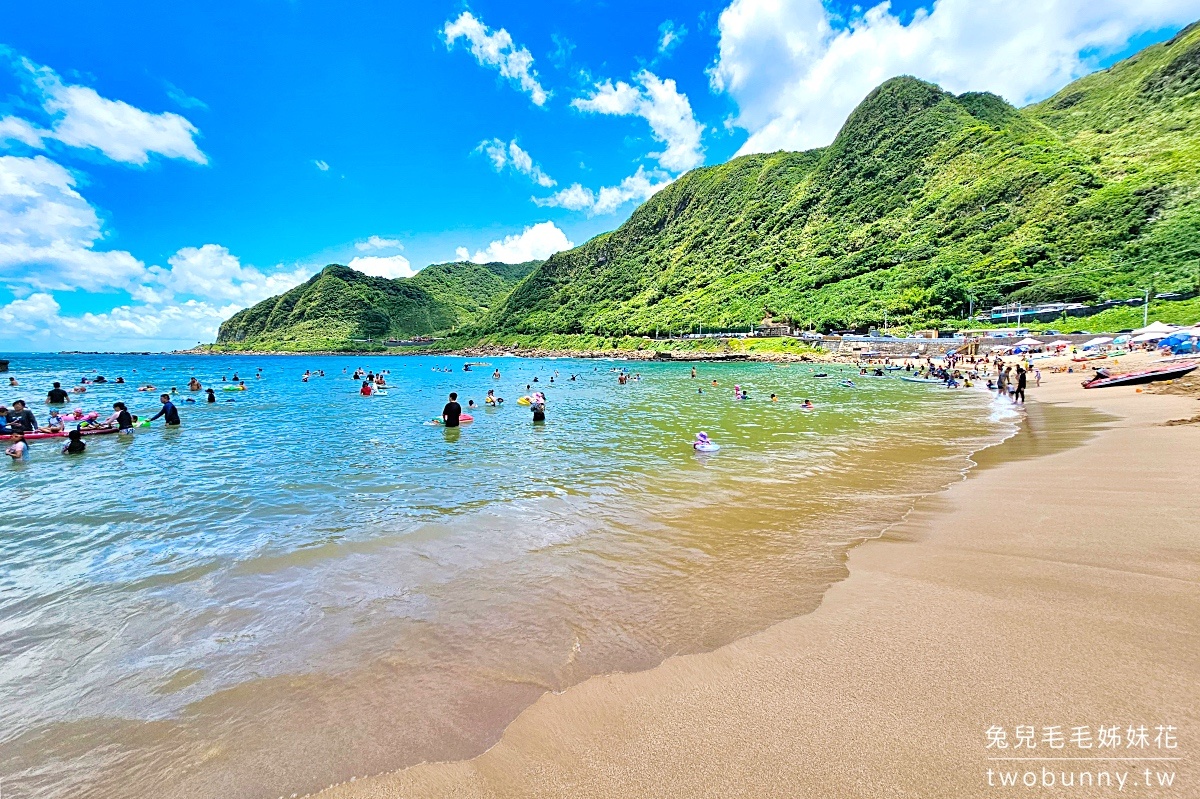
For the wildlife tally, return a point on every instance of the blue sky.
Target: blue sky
(165, 164)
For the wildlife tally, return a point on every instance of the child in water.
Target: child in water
(702, 441)
(18, 450)
(75, 444)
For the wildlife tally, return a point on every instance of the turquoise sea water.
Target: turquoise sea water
(303, 585)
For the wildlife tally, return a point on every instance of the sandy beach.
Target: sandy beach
(1057, 586)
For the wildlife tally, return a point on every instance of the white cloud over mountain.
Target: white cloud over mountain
(378, 243)
(390, 266)
(639, 186)
(533, 243)
(796, 71)
(663, 106)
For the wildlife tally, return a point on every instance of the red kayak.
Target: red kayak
(1105, 379)
(93, 431)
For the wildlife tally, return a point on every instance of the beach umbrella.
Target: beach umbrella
(1096, 342)
(1120, 339)
(1029, 342)
(1150, 336)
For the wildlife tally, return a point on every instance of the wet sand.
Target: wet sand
(1059, 584)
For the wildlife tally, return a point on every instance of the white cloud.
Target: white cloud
(497, 50)
(637, 187)
(80, 117)
(321, 165)
(17, 129)
(390, 266)
(796, 72)
(658, 102)
(510, 154)
(48, 232)
(378, 243)
(669, 36)
(532, 244)
(28, 314)
(127, 326)
(211, 272)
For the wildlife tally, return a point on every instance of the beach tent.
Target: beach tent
(1062, 342)
(1029, 342)
(1096, 342)
(1121, 340)
(1154, 327)
(1150, 336)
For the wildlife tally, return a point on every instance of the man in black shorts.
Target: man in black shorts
(1022, 377)
(452, 411)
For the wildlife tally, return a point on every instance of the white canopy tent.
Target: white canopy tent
(1062, 342)
(1029, 342)
(1151, 336)
(1155, 327)
(1096, 342)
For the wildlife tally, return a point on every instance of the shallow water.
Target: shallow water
(303, 585)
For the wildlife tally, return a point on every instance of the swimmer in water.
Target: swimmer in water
(212, 395)
(193, 385)
(702, 441)
(774, 398)
(496, 375)
(366, 388)
(807, 405)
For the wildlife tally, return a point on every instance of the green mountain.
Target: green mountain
(339, 305)
(925, 205)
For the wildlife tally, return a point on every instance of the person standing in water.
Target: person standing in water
(57, 396)
(18, 450)
(1022, 381)
(366, 388)
(538, 406)
(212, 394)
(122, 419)
(452, 411)
(693, 373)
(22, 417)
(169, 412)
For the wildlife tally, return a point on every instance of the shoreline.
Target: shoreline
(971, 611)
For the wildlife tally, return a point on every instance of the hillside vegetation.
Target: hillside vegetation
(925, 205)
(339, 307)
